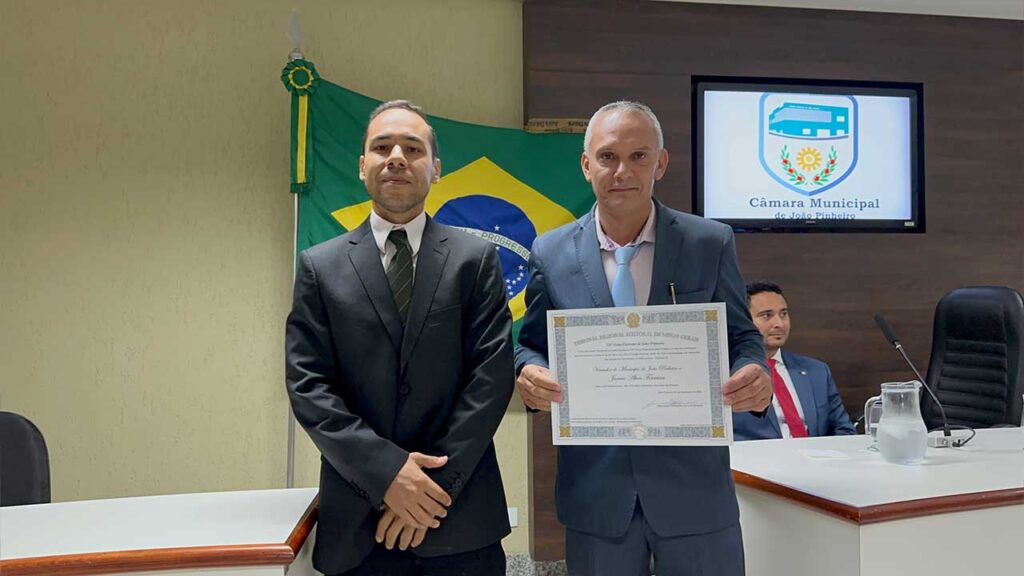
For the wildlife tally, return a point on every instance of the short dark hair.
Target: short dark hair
(759, 286)
(402, 105)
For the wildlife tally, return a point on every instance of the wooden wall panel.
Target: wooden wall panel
(580, 55)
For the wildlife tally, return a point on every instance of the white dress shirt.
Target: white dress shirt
(413, 230)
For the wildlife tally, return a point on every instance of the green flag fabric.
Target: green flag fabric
(504, 185)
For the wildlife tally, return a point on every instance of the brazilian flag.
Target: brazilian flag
(504, 185)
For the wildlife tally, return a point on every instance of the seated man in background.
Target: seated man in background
(806, 401)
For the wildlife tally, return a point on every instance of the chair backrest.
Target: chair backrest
(977, 361)
(24, 462)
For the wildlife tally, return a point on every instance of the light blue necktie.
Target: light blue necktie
(622, 285)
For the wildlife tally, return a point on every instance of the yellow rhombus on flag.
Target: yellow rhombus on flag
(469, 199)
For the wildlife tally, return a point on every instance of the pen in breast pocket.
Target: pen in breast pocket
(672, 290)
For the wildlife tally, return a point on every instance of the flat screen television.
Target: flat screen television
(789, 155)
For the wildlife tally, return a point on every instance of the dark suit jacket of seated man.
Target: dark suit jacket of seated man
(399, 355)
(817, 402)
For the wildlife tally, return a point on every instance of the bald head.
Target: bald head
(628, 107)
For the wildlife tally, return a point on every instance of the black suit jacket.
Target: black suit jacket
(368, 393)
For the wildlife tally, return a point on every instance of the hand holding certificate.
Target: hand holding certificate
(640, 376)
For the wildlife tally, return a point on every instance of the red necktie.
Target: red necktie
(797, 429)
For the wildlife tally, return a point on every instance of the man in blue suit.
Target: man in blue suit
(620, 504)
(805, 400)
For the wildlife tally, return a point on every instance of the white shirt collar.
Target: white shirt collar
(413, 229)
(778, 357)
(646, 233)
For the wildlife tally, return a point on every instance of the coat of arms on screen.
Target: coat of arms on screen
(808, 142)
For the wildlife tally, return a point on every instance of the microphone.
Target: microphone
(890, 335)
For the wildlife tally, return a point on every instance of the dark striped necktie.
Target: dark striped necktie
(400, 272)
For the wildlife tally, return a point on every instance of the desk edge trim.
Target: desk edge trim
(886, 512)
(169, 558)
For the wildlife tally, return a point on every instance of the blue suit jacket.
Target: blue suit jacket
(824, 413)
(683, 490)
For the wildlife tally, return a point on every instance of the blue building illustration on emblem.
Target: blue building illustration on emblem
(808, 143)
(809, 121)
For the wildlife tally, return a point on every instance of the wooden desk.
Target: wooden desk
(253, 533)
(961, 512)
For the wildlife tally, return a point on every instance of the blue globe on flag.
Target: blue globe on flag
(502, 224)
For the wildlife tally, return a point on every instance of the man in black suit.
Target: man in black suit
(399, 366)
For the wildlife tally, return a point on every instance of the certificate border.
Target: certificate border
(708, 314)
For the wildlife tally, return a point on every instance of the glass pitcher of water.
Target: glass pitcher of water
(902, 436)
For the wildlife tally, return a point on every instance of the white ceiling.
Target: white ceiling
(1006, 9)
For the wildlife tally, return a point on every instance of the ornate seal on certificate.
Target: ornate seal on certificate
(633, 320)
(639, 432)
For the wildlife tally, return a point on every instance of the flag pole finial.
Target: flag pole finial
(295, 36)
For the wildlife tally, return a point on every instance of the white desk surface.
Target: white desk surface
(152, 522)
(993, 460)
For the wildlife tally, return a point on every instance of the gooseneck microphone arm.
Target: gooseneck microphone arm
(891, 337)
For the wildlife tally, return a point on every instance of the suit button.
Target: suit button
(404, 389)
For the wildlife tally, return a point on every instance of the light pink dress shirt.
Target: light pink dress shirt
(642, 264)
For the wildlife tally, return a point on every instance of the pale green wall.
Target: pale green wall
(145, 223)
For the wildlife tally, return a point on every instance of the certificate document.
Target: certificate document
(640, 376)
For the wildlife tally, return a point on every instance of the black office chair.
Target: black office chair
(977, 361)
(24, 462)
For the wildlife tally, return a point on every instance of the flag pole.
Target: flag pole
(291, 415)
(295, 35)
